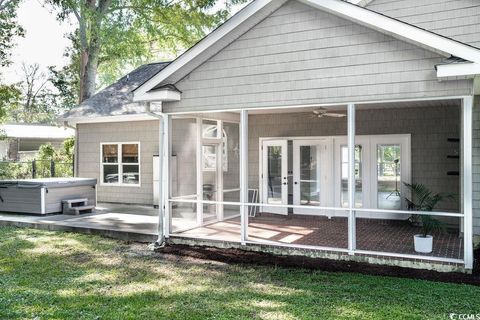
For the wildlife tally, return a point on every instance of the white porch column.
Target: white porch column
(199, 161)
(161, 202)
(467, 108)
(243, 175)
(351, 179)
(167, 121)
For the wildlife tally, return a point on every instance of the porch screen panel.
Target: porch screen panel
(183, 162)
(183, 173)
(231, 168)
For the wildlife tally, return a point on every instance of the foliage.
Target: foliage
(63, 159)
(66, 82)
(60, 275)
(15, 170)
(114, 35)
(10, 99)
(425, 200)
(9, 29)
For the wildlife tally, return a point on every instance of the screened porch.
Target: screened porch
(285, 177)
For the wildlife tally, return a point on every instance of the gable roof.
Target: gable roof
(222, 36)
(117, 99)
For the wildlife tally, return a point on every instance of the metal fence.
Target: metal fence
(35, 169)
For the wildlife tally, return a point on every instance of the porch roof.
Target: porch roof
(116, 99)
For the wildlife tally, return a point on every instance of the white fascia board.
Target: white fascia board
(466, 70)
(396, 28)
(106, 119)
(203, 45)
(361, 3)
(158, 95)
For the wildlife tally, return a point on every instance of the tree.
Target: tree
(36, 99)
(66, 83)
(9, 29)
(10, 98)
(115, 33)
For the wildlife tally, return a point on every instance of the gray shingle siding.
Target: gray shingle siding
(89, 138)
(299, 55)
(476, 166)
(457, 19)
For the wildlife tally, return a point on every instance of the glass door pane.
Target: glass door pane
(309, 176)
(358, 177)
(209, 181)
(388, 176)
(274, 174)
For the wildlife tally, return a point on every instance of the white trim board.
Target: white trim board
(362, 3)
(350, 11)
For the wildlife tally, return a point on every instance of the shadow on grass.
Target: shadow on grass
(72, 276)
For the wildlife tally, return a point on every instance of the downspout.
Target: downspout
(161, 196)
(75, 148)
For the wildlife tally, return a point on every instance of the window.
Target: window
(210, 150)
(120, 163)
(358, 176)
(388, 176)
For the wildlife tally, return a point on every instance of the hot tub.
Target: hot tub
(44, 196)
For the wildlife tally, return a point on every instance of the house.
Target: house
(22, 141)
(274, 121)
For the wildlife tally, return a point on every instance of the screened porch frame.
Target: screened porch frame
(466, 214)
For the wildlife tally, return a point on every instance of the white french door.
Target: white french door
(275, 175)
(311, 175)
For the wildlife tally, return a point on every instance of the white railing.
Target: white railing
(318, 210)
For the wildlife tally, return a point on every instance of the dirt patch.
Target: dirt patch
(258, 258)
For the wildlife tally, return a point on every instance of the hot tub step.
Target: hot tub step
(77, 206)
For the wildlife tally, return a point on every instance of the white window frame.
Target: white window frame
(215, 142)
(120, 165)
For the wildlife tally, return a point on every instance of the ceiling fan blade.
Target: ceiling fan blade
(335, 115)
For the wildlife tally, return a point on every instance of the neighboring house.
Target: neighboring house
(22, 141)
(301, 106)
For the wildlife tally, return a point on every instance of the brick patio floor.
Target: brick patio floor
(372, 234)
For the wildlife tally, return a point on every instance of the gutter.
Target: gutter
(161, 196)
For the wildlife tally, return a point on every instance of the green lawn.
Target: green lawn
(54, 275)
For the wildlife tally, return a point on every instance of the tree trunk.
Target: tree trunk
(91, 53)
(90, 74)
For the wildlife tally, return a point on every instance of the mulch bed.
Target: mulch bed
(259, 258)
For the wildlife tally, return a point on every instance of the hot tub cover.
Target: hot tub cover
(49, 182)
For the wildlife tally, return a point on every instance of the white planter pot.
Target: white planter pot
(423, 244)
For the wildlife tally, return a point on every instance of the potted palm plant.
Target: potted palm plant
(422, 199)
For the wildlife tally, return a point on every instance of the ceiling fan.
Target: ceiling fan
(322, 112)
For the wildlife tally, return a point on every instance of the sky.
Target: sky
(44, 42)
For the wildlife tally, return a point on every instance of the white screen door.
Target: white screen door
(275, 175)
